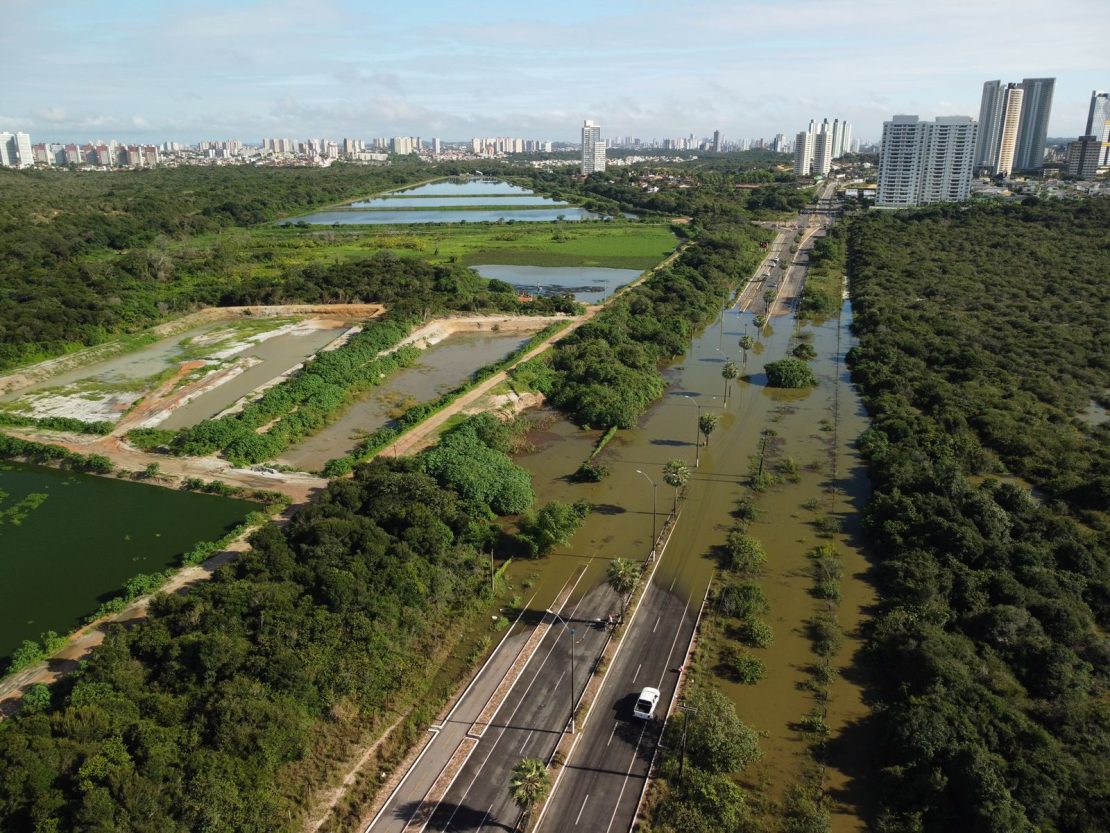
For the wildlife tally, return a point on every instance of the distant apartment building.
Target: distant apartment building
(593, 148)
(925, 162)
(1084, 157)
(1098, 124)
(1035, 111)
(999, 122)
(16, 150)
(816, 148)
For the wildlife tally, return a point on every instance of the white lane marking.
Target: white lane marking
(658, 618)
(526, 739)
(583, 807)
(637, 674)
(631, 764)
(674, 642)
(611, 734)
(508, 721)
(485, 818)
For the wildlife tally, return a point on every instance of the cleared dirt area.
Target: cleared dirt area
(25, 377)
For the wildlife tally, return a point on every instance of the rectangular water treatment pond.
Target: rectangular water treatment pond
(69, 541)
(198, 373)
(442, 367)
(456, 201)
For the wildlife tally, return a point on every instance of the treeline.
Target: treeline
(606, 372)
(204, 716)
(710, 188)
(983, 333)
(822, 293)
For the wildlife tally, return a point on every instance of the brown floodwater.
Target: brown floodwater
(621, 525)
(440, 368)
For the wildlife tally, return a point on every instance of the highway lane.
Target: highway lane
(601, 785)
(529, 722)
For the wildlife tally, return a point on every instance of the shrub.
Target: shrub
(790, 373)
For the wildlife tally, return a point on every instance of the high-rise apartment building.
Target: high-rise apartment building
(593, 148)
(1098, 124)
(16, 150)
(803, 153)
(817, 147)
(1085, 157)
(1035, 110)
(923, 162)
(1098, 117)
(999, 123)
(1013, 98)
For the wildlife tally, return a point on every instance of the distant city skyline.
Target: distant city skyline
(146, 72)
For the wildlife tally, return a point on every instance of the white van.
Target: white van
(646, 703)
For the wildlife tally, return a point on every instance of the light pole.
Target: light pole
(697, 429)
(654, 494)
(563, 622)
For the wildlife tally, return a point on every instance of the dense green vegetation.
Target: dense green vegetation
(90, 254)
(196, 718)
(983, 332)
(821, 296)
(94, 255)
(790, 373)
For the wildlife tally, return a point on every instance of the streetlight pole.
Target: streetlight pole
(563, 622)
(654, 495)
(697, 430)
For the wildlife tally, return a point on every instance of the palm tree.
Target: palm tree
(729, 372)
(623, 575)
(677, 474)
(529, 784)
(706, 423)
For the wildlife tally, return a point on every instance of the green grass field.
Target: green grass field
(268, 250)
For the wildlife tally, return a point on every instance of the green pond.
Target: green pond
(63, 554)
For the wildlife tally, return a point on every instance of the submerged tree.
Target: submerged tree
(729, 372)
(707, 424)
(676, 474)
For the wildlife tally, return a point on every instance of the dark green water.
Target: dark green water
(88, 537)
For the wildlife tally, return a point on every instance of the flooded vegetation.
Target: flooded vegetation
(821, 485)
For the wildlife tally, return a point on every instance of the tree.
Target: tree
(716, 738)
(552, 526)
(729, 372)
(707, 423)
(744, 554)
(790, 373)
(677, 474)
(623, 575)
(529, 783)
(747, 342)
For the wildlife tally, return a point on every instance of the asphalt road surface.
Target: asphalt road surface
(529, 722)
(600, 789)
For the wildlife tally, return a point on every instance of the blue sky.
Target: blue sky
(146, 70)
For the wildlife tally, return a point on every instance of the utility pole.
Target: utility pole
(685, 720)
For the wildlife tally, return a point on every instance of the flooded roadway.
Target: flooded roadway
(621, 525)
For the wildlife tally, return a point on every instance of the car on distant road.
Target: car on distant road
(646, 703)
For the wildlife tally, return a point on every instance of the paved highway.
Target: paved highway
(600, 787)
(529, 722)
